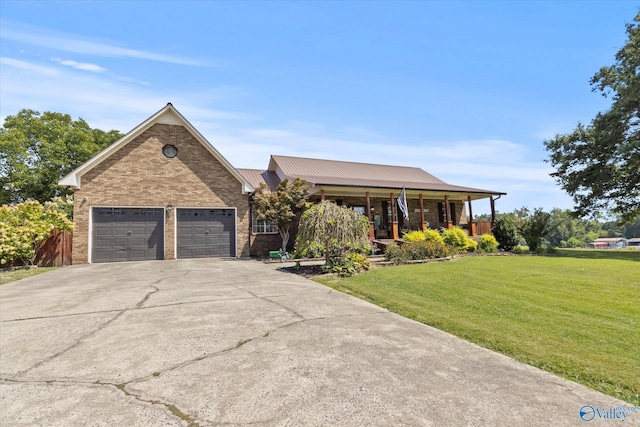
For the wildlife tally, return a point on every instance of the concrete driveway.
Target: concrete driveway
(229, 342)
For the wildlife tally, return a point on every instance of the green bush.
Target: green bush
(314, 250)
(347, 266)
(488, 243)
(505, 231)
(457, 238)
(24, 226)
(394, 254)
(573, 242)
(433, 236)
(521, 250)
(534, 229)
(414, 236)
(417, 251)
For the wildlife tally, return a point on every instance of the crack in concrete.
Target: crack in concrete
(120, 309)
(239, 344)
(173, 409)
(85, 336)
(290, 310)
(146, 297)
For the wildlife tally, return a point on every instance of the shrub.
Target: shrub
(521, 250)
(336, 228)
(457, 238)
(414, 236)
(433, 236)
(24, 226)
(348, 266)
(488, 243)
(315, 250)
(417, 251)
(454, 237)
(62, 204)
(470, 245)
(534, 228)
(394, 254)
(505, 231)
(573, 242)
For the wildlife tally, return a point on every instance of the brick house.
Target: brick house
(163, 192)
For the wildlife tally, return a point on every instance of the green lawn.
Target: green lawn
(576, 315)
(7, 276)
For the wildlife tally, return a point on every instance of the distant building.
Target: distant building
(609, 243)
(635, 242)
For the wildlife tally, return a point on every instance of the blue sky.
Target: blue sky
(467, 91)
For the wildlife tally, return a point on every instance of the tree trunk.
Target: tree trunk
(284, 233)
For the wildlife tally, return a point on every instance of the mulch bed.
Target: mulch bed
(308, 271)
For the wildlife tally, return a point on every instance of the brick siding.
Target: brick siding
(139, 175)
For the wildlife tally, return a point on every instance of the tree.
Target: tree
(334, 228)
(599, 164)
(534, 228)
(505, 231)
(568, 231)
(24, 226)
(283, 205)
(36, 150)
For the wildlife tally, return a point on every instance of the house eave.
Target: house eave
(384, 192)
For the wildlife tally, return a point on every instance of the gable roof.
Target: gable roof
(167, 115)
(339, 173)
(257, 177)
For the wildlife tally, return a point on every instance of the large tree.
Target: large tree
(280, 207)
(36, 150)
(599, 164)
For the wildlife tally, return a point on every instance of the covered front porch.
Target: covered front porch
(426, 208)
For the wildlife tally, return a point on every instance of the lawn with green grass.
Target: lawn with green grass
(576, 314)
(7, 276)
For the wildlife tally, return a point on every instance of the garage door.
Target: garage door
(127, 234)
(204, 233)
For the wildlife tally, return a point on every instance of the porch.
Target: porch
(426, 209)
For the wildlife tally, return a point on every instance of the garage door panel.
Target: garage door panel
(127, 234)
(206, 233)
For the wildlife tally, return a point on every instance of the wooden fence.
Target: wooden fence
(55, 251)
(482, 227)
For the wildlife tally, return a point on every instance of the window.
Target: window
(262, 227)
(360, 209)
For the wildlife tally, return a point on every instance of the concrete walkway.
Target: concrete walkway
(229, 342)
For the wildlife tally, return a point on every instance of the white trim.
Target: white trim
(90, 239)
(167, 115)
(175, 233)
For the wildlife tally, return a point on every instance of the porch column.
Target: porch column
(394, 220)
(372, 234)
(472, 232)
(447, 214)
(493, 211)
(423, 223)
(322, 194)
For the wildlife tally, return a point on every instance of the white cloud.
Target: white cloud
(74, 43)
(27, 66)
(84, 66)
(103, 101)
